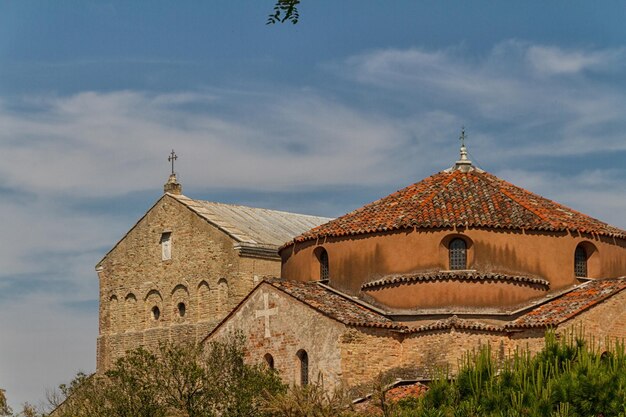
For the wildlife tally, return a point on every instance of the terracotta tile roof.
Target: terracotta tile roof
(456, 198)
(457, 323)
(335, 306)
(453, 276)
(395, 392)
(570, 304)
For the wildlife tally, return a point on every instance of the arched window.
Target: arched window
(155, 313)
(130, 305)
(324, 269)
(222, 296)
(269, 360)
(304, 366)
(580, 261)
(182, 309)
(204, 301)
(458, 254)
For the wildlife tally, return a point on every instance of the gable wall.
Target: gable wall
(293, 327)
(205, 273)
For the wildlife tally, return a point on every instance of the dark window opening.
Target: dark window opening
(304, 367)
(580, 261)
(156, 313)
(324, 269)
(269, 360)
(458, 254)
(182, 309)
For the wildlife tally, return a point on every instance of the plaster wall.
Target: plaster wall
(204, 273)
(354, 260)
(454, 295)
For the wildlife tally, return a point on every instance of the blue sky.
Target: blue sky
(357, 100)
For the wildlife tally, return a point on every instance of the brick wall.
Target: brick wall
(293, 327)
(366, 353)
(604, 322)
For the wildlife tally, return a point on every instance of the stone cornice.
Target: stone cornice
(467, 276)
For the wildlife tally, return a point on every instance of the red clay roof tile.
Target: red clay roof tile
(335, 306)
(570, 304)
(456, 198)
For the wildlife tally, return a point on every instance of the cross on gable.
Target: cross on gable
(172, 158)
(266, 313)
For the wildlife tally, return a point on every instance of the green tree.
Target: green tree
(284, 11)
(238, 389)
(176, 380)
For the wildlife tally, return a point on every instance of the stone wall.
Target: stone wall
(204, 279)
(292, 327)
(366, 353)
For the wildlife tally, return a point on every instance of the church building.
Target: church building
(414, 280)
(183, 266)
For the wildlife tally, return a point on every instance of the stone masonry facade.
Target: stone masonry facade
(277, 324)
(290, 329)
(145, 299)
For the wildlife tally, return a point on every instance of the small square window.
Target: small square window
(166, 246)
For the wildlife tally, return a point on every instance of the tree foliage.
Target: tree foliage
(5, 410)
(310, 400)
(567, 378)
(284, 11)
(176, 381)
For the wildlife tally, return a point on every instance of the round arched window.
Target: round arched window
(580, 261)
(303, 358)
(182, 309)
(324, 268)
(156, 313)
(458, 254)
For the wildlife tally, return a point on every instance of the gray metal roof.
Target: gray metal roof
(253, 226)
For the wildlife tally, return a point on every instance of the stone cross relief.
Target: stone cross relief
(266, 313)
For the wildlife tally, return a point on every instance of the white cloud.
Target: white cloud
(551, 60)
(559, 114)
(598, 193)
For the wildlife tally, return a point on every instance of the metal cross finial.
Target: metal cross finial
(462, 137)
(171, 159)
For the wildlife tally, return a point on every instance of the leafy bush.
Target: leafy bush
(175, 381)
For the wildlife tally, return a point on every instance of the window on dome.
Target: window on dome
(458, 254)
(580, 261)
(324, 269)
